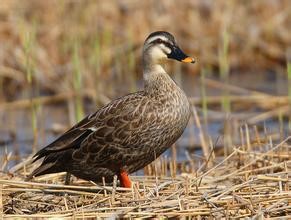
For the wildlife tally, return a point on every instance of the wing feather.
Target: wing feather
(96, 129)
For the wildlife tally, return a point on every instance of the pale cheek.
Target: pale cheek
(168, 51)
(165, 49)
(157, 53)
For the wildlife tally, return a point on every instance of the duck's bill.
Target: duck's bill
(179, 55)
(188, 60)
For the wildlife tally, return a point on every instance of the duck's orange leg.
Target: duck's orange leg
(124, 179)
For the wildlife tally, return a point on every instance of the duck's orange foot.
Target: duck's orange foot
(124, 179)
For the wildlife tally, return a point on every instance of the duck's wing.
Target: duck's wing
(122, 131)
(70, 139)
(99, 127)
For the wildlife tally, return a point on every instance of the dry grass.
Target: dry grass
(252, 181)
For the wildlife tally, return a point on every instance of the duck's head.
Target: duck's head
(161, 45)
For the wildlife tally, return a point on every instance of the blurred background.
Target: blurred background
(61, 59)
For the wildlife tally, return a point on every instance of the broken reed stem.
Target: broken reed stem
(203, 142)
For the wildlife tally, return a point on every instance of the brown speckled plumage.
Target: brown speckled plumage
(129, 132)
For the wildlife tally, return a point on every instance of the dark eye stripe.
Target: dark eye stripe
(160, 41)
(168, 44)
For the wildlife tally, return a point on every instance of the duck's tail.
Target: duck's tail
(50, 164)
(44, 168)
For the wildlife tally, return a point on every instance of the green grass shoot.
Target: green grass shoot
(223, 57)
(204, 95)
(29, 43)
(77, 81)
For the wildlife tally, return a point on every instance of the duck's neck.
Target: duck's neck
(156, 80)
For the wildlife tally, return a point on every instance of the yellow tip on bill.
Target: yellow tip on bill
(188, 60)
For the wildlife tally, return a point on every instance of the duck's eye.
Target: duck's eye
(159, 41)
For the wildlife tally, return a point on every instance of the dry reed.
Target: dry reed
(246, 183)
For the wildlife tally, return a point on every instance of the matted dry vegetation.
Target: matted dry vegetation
(252, 181)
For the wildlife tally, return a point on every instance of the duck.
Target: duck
(130, 132)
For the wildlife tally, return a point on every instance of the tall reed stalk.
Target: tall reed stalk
(223, 57)
(28, 46)
(224, 77)
(204, 96)
(95, 61)
(289, 91)
(77, 82)
(131, 65)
